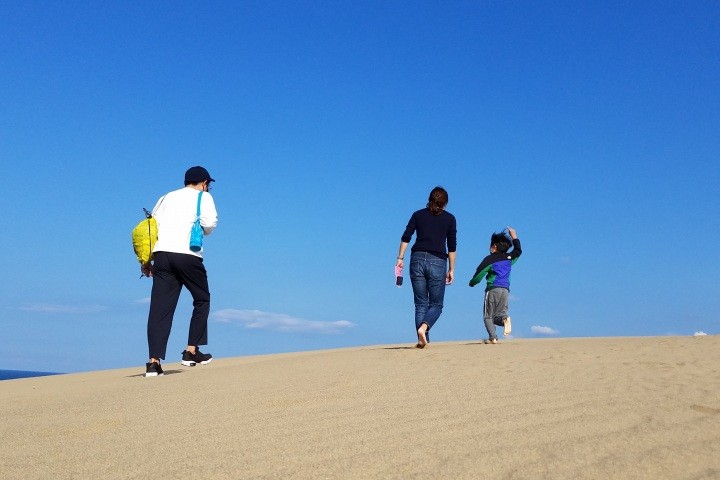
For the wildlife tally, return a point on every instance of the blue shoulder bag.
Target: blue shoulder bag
(196, 234)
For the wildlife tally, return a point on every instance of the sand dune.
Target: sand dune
(600, 408)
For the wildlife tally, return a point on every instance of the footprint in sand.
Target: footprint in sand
(703, 409)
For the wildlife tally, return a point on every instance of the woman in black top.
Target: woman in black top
(434, 247)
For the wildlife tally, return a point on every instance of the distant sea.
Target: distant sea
(13, 374)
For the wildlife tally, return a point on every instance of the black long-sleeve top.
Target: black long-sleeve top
(434, 232)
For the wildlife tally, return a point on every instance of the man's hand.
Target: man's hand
(512, 233)
(146, 269)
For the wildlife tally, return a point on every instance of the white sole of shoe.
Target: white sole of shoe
(206, 362)
(153, 374)
(188, 363)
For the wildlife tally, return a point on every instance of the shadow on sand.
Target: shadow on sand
(166, 372)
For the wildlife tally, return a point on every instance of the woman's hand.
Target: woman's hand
(450, 275)
(401, 254)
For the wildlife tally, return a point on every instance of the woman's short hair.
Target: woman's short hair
(437, 201)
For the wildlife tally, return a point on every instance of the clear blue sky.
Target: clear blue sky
(593, 128)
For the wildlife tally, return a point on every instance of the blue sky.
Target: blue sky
(590, 127)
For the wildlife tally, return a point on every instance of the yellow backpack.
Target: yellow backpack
(144, 238)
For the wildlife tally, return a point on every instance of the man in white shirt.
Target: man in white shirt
(175, 265)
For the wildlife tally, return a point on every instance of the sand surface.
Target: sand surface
(599, 408)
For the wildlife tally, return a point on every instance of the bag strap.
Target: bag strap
(198, 207)
(156, 206)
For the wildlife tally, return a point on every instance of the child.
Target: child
(496, 267)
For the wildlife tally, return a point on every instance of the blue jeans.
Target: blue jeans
(427, 275)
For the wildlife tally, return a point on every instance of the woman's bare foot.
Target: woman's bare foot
(422, 339)
(508, 326)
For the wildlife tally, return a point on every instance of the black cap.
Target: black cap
(197, 174)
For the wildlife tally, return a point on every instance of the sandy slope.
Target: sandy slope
(605, 408)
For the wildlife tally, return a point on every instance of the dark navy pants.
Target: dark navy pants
(171, 272)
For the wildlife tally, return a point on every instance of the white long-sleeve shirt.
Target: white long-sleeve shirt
(175, 214)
